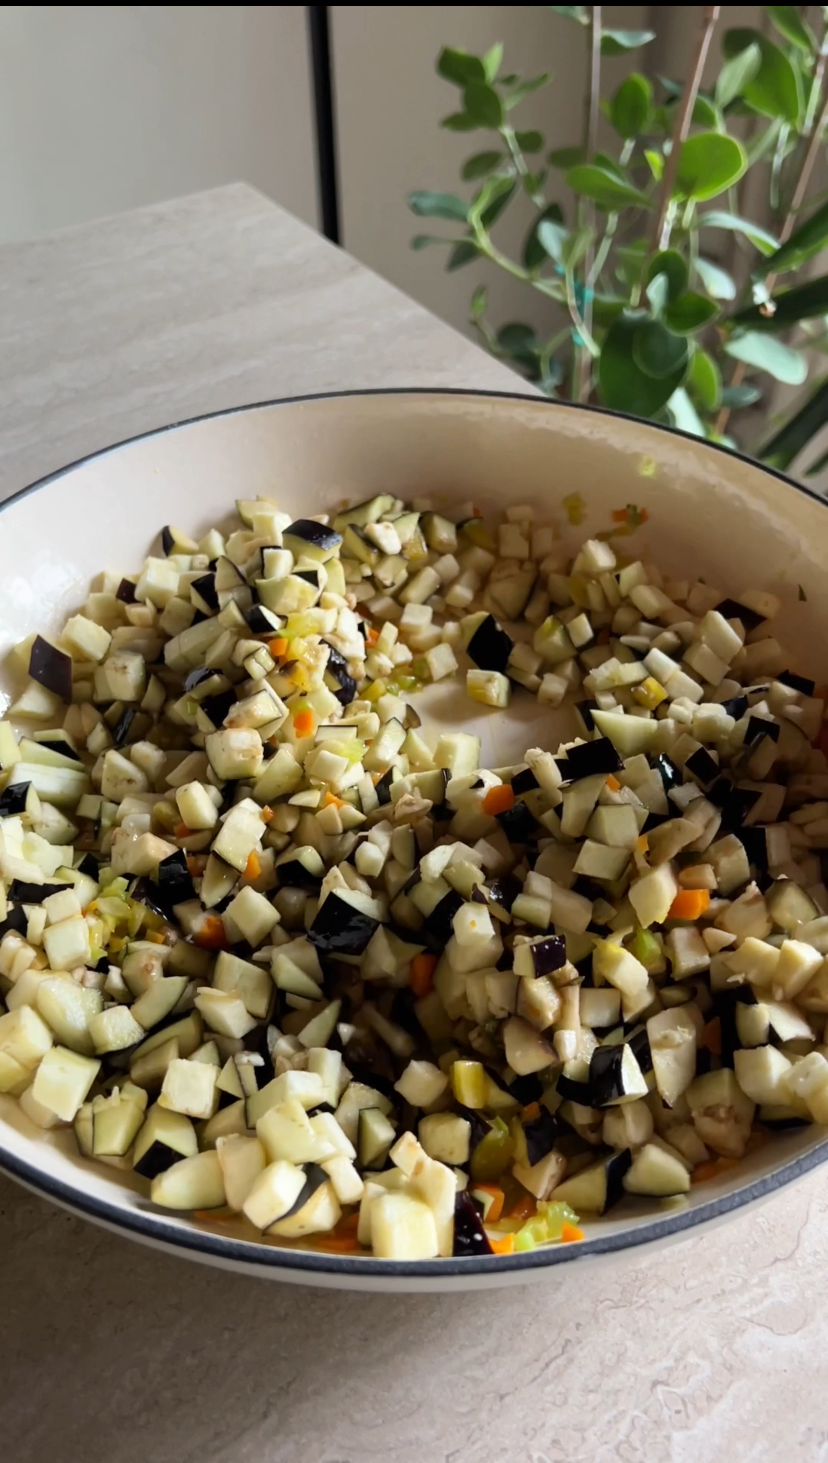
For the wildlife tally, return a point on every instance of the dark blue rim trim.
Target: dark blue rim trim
(150, 1225)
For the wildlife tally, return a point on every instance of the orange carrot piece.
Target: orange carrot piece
(181, 830)
(338, 1244)
(196, 863)
(711, 1169)
(304, 724)
(267, 814)
(421, 978)
(530, 1113)
(497, 1197)
(619, 515)
(371, 637)
(216, 1216)
(477, 512)
(253, 867)
(689, 904)
(278, 647)
(525, 1208)
(570, 1233)
(612, 783)
(498, 800)
(332, 801)
(212, 935)
(503, 1246)
(711, 1037)
(642, 843)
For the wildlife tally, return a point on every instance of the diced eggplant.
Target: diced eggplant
(615, 1075)
(315, 1210)
(192, 1183)
(305, 537)
(470, 1237)
(175, 884)
(374, 1138)
(489, 646)
(595, 1189)
(343, 925)
(588, 759)
(656, 1172)
(51, 668)
(300, 868)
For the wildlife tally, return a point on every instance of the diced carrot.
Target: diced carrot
(524, 1208)
(371, 637)
(503, 1246)
(612, 783)
(216, 1216)
(703, 1172)
(498, 799)
(304, 723)
(711, 1037)
(570, 1233)
(155, 937)
(421, 978)
(348, 1225)
(332, 801)
(689, 904)
(212, 935)
(253, 867)
(181, 830)
(497, 1197)
(530, 1113)
(278, 647)
(642, 843)
(195, 864)
(619, 515)
(267, 814)
(603, 637)
(337, 1244)
(477, 512)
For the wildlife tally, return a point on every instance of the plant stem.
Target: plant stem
(798, 198)
(583, 364)
(519, 161)
(663, 223)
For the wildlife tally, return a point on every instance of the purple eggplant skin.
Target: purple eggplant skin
(490, 646)
(340, 928)
(51, 668)
(549, 955)
(470, 1237)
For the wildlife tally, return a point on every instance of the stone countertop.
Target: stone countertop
(111, 1352)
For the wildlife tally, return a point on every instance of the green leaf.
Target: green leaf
(534, 252)
(759, 237)
(804, 243)
(803, 302)
(622, 384)
(790, 24)
(815, 467)
(438, 205)
(658, 352)
(630, 107)
(690, 312)
(658, 293)
(704, 380)
(768, 354)
(551, 237)
(565, 157)
(684, 413)
(524, 89)
(520, 342)
(716, 280)
(422, 241)
(479, 302)
(705, 114)
(501, 197)
(529, 141)
(738, 397)
(630, 259)
(736, 73)
(481, 164)
(483, 104)
(459, 67)
(709, 163)
(604, 188)
(606, 308)
(572, 12)
(618, 42)
(459, 122)
(492, 60)
(788, 442)
(775, 90)
(673, 265)
(533, 182)
(462, 253)
(655, 162)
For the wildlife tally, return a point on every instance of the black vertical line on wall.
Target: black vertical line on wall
(322, 69)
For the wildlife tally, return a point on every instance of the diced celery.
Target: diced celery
(469, 1084)
(493, 1153)
(555, 1215)
(646, 947)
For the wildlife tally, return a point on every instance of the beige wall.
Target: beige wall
(107, 107)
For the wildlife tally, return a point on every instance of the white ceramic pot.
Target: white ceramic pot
(710, 512)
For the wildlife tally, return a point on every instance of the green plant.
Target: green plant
(651, 324)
